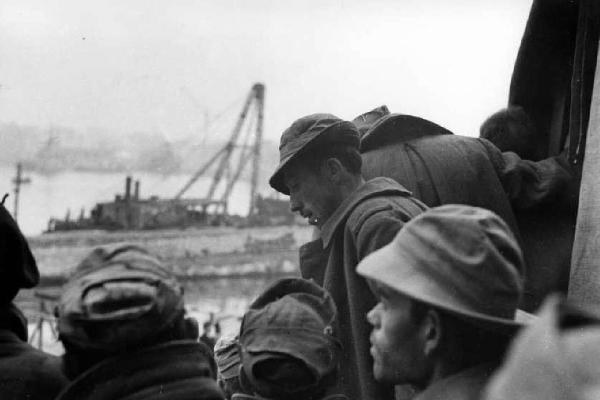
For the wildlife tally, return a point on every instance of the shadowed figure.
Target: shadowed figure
(25, 372)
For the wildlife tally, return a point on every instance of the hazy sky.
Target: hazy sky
(161, 65)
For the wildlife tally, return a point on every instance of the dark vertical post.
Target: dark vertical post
(259, 90)
(128, 188)
(18, 181)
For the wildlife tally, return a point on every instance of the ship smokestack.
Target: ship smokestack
(136, 191)
(128, 188)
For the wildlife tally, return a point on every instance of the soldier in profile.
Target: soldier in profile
(448, 287)
(25, 372)
(321, 170)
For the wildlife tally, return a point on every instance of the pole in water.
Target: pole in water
(18, 181)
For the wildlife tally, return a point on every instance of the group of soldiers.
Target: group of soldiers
(416, 286)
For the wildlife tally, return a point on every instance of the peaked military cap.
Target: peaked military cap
(304, 134)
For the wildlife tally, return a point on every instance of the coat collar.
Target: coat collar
(13, 320)
(371, 188)
(185, 366)
(464, 385)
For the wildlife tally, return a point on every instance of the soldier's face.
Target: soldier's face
(396, 339)
(311, 194)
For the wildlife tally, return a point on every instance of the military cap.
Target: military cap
(19, 269)
(304, 134)
(119, 299)
(379, 128)
(287, 342)
(461, 259)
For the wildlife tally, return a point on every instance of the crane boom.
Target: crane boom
(224, 156)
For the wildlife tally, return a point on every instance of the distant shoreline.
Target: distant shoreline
(196, 253)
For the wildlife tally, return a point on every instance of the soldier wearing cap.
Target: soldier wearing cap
(320, 169)
(25, 372)
(536, 199)
(122, 322)
(287, 344)
(448, 288)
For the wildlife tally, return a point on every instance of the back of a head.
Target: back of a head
(288, 350)
(116, 302)
(18, 267)
(511, 129)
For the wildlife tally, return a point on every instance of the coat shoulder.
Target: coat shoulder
(380, 208)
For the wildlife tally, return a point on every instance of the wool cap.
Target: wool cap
(287, 343)
(117, 300)
(304, 134)
(457, 258)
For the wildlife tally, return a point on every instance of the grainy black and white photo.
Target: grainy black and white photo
(299, 200)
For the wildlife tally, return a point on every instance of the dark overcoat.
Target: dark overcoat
(364, 222)
(25, 372)
(453, 169)
(468, 384)
(177, 370)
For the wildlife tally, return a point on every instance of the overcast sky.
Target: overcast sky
(142, 65)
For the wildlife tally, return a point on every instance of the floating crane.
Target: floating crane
(129, 211)
(229, 168)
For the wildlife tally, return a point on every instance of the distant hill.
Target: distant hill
(53, 149)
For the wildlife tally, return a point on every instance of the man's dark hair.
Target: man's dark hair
(511, 129)
(348, 156)
(466, 342)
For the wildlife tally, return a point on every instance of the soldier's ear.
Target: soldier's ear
(332, 168)
(431, 332)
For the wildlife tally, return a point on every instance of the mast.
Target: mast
(259, 89)
(18, 180)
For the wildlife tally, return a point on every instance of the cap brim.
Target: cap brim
(388, 267)
(277, 181)
(313, 138)
(385, 132)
